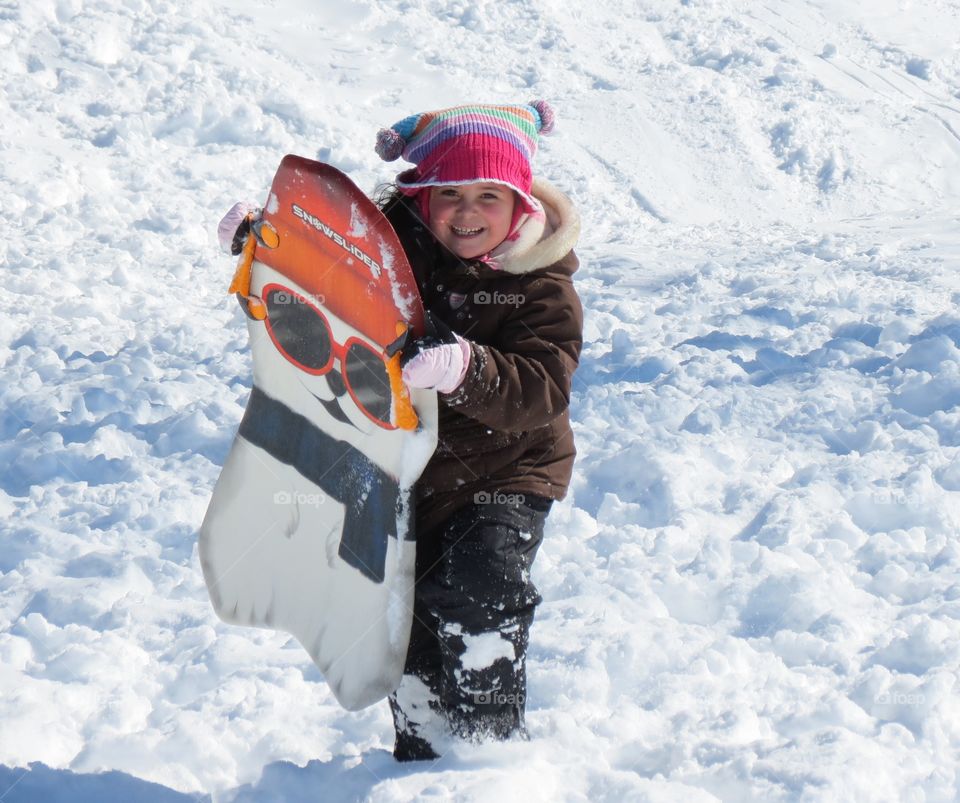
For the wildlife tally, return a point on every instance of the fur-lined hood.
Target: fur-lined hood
(540, 240)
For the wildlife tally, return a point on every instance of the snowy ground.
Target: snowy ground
(753, 590)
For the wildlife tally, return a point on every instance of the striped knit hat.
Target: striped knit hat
(469, 145)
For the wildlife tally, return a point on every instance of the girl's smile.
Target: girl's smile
(471, 219)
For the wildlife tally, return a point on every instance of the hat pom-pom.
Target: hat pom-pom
(547, 117)
(389, 144)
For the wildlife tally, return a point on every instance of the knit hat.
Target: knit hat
(469, 145)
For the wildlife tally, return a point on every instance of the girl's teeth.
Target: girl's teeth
(464, 232)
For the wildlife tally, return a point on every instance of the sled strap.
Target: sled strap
(406, 417)
(241, 279)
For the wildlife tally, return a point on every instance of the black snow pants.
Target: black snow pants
(465, 674)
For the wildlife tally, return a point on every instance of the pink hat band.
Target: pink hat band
(469, 145)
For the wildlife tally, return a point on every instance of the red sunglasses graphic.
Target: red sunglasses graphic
(303, 335)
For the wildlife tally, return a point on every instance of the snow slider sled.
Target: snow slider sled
(310, 527)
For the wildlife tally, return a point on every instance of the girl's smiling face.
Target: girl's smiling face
(471, 219)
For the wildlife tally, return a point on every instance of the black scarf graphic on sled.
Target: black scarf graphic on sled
(370, 496)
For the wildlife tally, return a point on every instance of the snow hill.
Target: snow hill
(753, 589)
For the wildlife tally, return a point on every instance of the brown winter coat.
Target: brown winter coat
(506, 429)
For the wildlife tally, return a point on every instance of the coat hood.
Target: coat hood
(541, 240)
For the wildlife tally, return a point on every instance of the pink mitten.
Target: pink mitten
(441, 367)
(230, 223)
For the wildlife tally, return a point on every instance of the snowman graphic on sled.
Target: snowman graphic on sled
(310, 526)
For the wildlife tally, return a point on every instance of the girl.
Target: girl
(491, 250)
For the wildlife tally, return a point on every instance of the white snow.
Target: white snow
(485, 649)
(753, 589)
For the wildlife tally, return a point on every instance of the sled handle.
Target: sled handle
(241, 280)
(406, 416)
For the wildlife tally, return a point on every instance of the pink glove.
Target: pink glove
(441, 367)
(230, 223)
